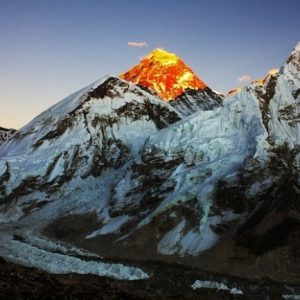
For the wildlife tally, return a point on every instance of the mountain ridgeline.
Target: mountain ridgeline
(155, 165)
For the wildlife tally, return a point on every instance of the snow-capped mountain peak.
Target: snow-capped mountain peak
(163, 57)
(165, 74)
(295, 57)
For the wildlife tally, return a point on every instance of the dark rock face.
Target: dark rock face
(296, 93)
(5, 134)
(194, 100)
(263, 237)
(265, 97)
(273, 216)
(295, 57)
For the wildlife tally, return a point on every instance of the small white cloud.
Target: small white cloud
(137, 44)
(244, 78)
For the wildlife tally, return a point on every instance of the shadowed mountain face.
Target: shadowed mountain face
(116, 170)
(5, 134)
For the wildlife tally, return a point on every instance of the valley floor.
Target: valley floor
(166, 282)
(73, 273)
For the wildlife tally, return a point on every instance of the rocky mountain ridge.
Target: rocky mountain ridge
(5, 134)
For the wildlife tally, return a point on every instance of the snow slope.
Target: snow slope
(102, 126)
(187, 160)
(208, 146)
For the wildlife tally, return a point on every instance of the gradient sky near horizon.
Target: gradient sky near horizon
(50, 49)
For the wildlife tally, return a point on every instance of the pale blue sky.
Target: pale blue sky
(50, 49)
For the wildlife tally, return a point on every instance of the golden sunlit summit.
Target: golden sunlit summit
(272, 72)
(164, 73)
(259, 82)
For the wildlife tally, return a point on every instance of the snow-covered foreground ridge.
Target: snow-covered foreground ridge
(146, 174)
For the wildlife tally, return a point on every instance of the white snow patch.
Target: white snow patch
(168, 243)
(112, 226)
(291, 297)
(41, 242)
(219, 286)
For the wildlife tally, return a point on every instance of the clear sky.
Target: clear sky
(51, 48)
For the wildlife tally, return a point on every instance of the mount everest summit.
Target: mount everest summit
(155, 165)
(166, 75)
